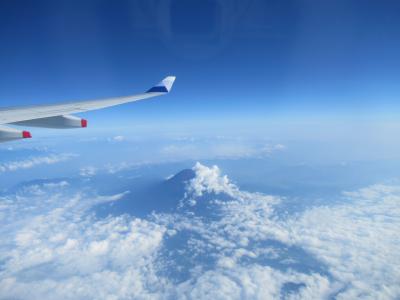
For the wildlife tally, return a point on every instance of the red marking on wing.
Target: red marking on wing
(26, 135)
(84, 123)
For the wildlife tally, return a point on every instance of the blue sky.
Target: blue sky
(282, 129)
(233, 59)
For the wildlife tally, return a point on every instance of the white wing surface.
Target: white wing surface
(59, 115)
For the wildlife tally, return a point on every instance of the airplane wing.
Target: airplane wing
(59, 115)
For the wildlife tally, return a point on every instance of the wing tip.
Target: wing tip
(164, 86)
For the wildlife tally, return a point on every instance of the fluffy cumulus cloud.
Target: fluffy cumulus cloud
(357, 241)
(209, 180)
(225, 244)
(52, 249)
(354, 244)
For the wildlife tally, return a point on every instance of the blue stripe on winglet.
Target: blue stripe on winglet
(158, 89)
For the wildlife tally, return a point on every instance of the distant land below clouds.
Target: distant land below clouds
(202, 237)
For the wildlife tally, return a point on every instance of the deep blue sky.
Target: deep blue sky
(236, 59)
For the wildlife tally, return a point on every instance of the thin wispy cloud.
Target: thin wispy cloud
(35, 161)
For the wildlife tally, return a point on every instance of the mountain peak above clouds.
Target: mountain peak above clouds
(183, 191)
(181, 177)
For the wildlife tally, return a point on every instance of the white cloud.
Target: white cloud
(254, 282)
(271, 148)
(118, 138)
(33, 162)
(115, 168)
(209, 180)
(53, 247)
(88, 171)
(219, 148)
(57, 251)
(358, 241)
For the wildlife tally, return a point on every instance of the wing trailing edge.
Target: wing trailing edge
(22, 114)
(59, 115)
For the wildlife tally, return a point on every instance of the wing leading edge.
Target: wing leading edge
(22, 115)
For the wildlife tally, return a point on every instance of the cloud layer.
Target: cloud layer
(222, 243)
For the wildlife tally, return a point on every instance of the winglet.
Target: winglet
(164, 86)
